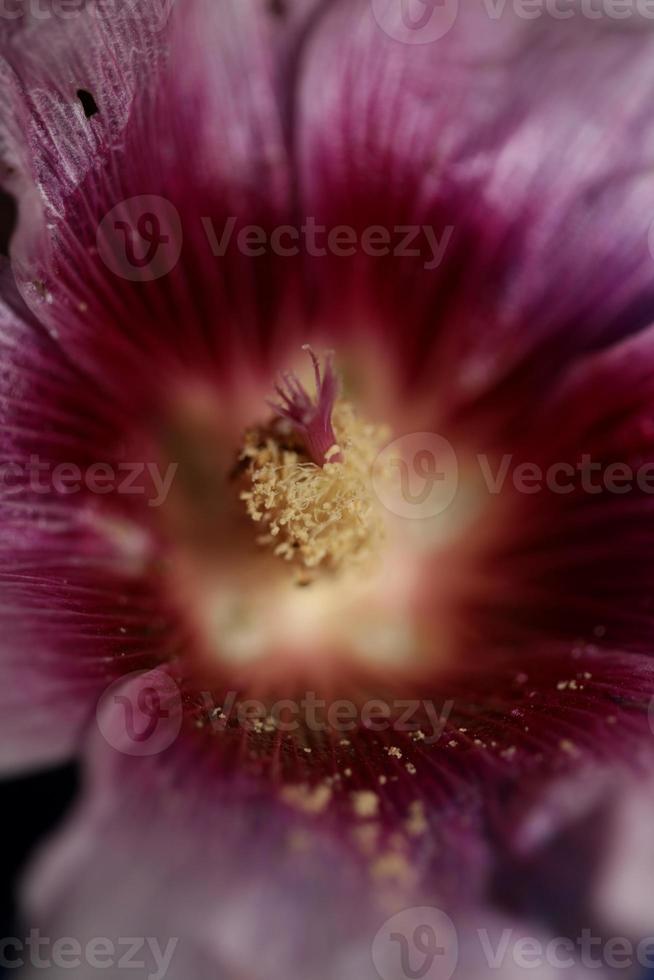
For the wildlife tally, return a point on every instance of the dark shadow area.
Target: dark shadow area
(31, 807)
(89, 105)
(8, 214)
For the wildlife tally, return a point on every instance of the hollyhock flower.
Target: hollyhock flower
(296, 315)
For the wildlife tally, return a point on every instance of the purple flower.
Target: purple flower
(371, 629)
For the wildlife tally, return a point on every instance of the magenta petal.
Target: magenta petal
(204, 79)
(49, 148)
(268, 885)
(529, 141)
(578, 564)
(43, 708)
(164, 845)
(74, 612)
(518, 146)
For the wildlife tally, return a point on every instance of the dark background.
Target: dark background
(30, 807)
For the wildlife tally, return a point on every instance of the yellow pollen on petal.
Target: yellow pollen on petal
(313, 800)
(365, 803)
(325, 517)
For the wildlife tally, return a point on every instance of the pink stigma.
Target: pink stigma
(312, 420)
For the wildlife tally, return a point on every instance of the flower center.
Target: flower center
(267, 501)
(307, 478)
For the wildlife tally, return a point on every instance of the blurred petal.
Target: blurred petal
(279, 887)
(623, 897)
(530, 142)
(573, 558)
(272, 888)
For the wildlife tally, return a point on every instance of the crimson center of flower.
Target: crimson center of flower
(307, 479)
